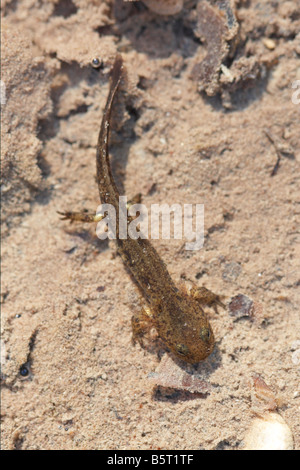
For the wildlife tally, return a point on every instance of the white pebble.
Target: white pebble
(269, 432)
(296, 357)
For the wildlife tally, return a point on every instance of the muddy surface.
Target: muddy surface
(205, 115)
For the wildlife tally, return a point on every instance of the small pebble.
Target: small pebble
(296, 357)
(295, 345)
(269, 43)
(164, 7)
(269, 432)
(240, 306)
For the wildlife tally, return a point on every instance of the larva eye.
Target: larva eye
(205, 334)
(182, 349)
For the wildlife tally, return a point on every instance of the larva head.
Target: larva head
(196, 347)
(186, 330)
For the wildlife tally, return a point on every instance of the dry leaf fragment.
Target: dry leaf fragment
(216, 25)
(262, 397)
(169, 374)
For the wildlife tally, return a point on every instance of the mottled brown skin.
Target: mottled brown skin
(177, 316)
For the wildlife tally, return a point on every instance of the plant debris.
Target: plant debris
(172, 375)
